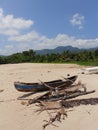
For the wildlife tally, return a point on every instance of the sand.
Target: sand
(15, 116)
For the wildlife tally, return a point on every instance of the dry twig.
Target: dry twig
(57, 117)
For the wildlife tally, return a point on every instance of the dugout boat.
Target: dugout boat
(44, 86)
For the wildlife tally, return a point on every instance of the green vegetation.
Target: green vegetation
(83, 58)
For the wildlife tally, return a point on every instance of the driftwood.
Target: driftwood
(56, 99)
(66, 79)
(70, 96)
(61, 106)
(62, 95)
(1, 90)
(45, 106)
(37, 99)
(48, 105)
(78, 94)
(74, 88)
(57, 117)
(59, 94)
(52, 105)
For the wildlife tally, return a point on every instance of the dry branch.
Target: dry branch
(48, 105)
(57, 117)
(78, 94)
(37, 99)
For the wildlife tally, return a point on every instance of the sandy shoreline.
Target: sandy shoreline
(15, 116)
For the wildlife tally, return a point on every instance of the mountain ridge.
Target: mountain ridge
(61, 49)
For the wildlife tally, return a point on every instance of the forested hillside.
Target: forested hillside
(84, 57)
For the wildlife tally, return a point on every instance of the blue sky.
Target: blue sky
(39, 24)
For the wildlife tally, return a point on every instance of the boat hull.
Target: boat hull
(37, 87)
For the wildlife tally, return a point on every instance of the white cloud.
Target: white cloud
(77, 20)
(9, 46)
(26, 37)
(1, 12)
(16, 41)
(9, 32)
(11, 26)
(37, 41)
(34, 40)
(16, 23)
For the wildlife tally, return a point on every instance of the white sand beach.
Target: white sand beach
(15, 116)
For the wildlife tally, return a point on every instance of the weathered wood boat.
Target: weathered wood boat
(42, 86)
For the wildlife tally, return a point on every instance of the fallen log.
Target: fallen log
(73, 88)
(37, 99)
(78, 94)
(70, 96)
(64, 96)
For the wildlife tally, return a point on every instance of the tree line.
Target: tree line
(65, 57)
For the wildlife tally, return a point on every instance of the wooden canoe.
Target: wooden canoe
(37, 87)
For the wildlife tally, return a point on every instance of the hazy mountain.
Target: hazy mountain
(59, 49)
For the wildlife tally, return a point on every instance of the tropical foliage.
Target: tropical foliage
(84, 57)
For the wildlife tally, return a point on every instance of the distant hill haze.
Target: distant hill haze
(61, 49)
